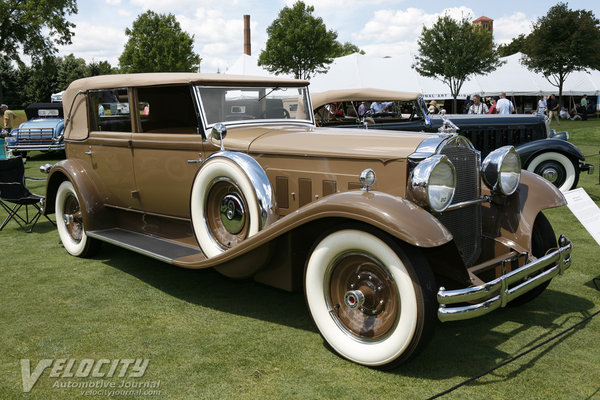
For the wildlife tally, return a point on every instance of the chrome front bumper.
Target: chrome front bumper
(479, 296)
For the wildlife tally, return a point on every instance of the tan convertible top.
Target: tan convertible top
(76, 127)
(366, 94)
(177, 78)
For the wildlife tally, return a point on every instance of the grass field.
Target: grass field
(207, 336)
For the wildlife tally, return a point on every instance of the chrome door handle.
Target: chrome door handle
(88, 153)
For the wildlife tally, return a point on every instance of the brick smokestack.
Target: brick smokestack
(247, 47)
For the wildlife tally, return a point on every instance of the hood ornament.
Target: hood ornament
(448, 127)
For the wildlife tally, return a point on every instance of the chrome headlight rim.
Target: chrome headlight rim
(497, 163)
(420, 183)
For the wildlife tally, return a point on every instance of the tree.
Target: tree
(34, 27)
(298, 43)
(517, 45)
(453, 50)
(346, 49)
(563, 41)
(157, 44)
(70, 68)
(101, 68)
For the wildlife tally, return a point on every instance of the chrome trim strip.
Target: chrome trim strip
(498, 288)
(483, 199)
(265, 195)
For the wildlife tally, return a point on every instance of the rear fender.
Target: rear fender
(95, 215)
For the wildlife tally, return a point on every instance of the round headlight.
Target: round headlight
(502, 170)
(432, 183)
(367, 178)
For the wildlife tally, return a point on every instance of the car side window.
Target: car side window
(109, 110)
(167, 109)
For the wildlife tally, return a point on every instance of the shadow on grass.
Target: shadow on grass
(468, 348)
(463, 348)
(208, 288)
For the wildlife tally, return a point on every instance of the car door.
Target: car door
(166, 149)
(109, 143)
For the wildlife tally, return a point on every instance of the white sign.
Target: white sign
(585, 210)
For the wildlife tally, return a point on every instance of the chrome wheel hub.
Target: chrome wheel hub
(233, 214)
(550, 174)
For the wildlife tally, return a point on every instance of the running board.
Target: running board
(150, 246)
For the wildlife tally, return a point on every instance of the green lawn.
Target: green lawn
(208, 336)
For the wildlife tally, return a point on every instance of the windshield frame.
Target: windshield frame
(264, 92)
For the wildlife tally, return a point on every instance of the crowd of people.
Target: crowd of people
(502, 105)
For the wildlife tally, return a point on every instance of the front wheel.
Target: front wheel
(69, 222)
(372, 301)
(556, 168)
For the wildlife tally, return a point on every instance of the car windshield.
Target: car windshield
(251, 104)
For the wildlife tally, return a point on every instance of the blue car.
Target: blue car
(43, 130)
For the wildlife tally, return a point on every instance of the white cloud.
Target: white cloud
(508, 28)
(96, 42)
(113, 2)
(123, 13)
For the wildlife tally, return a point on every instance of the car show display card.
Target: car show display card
(585, 210)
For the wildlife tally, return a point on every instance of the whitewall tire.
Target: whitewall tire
(557, 168)
(367, 299)
(69, 222)
(223, 206)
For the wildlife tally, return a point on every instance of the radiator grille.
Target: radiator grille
(35, 136)
(465, 223)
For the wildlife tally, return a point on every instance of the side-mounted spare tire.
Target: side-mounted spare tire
(231, 200)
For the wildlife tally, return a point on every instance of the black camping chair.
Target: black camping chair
(13, 190)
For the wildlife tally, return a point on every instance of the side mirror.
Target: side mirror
(219, 132)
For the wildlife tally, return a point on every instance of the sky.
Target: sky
(379, 27)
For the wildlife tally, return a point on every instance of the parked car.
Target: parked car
(542, 150)
(384, 233)
(42, 131)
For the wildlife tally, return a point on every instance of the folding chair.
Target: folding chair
(13, 190)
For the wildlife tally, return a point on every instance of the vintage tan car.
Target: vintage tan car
(384, 232)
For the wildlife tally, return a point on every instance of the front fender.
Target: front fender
(394, 215)
(528, 151)
(512, 221)
(93, 210)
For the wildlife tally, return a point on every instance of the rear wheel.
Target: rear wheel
(542, 240)
(69, 222)
(372, 300)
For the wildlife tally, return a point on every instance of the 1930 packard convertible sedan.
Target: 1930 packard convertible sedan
(384, 233)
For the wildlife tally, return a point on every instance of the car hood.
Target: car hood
(42, 123)
(335, 142)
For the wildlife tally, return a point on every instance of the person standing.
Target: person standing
(504, 105)
(541, 106)
(493, 109)
(478, 107)
(583, 107)
(8, 117)
(553, 108)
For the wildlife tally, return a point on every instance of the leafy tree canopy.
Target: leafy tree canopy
(453, 50)
(517, 45)
(299, 43)
(561, 42)
(157, 44)
(34, 26)
(345, 49)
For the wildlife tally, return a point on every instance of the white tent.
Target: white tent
(357, 71)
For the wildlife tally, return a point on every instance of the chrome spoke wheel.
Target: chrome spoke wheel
(362, 296)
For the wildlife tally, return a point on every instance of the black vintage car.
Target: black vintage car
(542, 150)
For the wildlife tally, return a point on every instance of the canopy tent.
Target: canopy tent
(358, 71)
